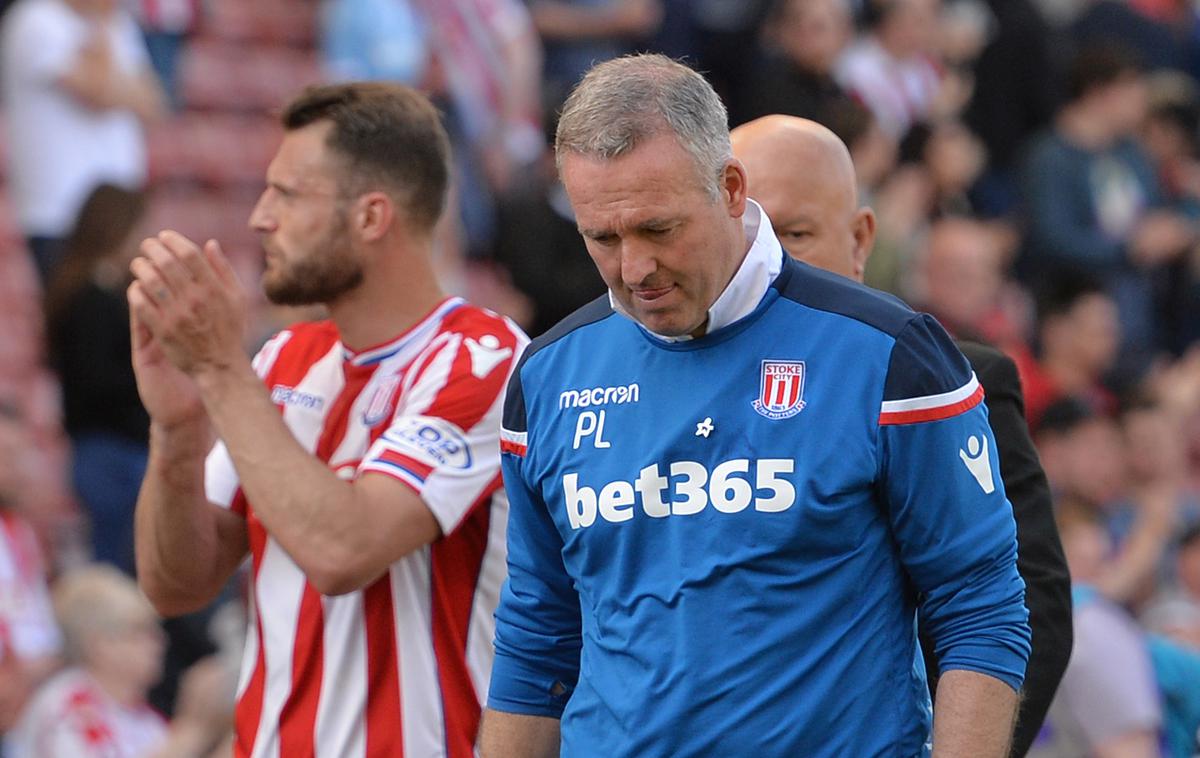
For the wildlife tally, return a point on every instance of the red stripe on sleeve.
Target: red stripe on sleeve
(456, 564)
(932, 414)
(412, 464)
(512, 447)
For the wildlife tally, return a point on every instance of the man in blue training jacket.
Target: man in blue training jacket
(736, 480)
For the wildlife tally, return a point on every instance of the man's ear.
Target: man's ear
(863, 227)
(732, 187)
(373, 216)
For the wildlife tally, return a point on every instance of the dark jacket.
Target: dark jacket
(1039, 553)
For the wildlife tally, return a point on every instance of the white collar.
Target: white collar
(763, 262)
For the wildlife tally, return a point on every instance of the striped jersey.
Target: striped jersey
(399, 667)
(719, 546)
(71, 716)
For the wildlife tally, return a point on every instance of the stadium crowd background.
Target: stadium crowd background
(1034, 164)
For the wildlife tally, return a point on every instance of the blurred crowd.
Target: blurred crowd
(1035, 169)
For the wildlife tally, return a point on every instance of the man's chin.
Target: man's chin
(665, 324)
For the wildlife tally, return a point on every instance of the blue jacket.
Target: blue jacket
(719, 546)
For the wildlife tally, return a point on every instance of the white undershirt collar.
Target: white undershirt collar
(749, 284)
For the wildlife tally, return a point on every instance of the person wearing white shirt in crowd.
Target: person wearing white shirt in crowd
(97, 708)
(77, 90)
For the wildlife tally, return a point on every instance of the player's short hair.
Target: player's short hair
(623, 102)
(390, 136)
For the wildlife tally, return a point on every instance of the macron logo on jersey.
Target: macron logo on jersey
(592, 396)
(283, 395)
(979, 463)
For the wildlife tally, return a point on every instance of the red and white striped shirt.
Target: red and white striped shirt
(72, 717)
(399, 667)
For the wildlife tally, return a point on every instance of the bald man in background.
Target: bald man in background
(802, 176)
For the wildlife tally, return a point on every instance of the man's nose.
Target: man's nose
(638, 262)
(261, 220)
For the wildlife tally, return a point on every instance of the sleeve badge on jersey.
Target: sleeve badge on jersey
(432, 439)
(781, 389)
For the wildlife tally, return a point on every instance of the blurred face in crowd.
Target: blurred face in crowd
(955, 157)
(1087, 336)
(663, 245)
(1124, 103)
(1086, 546)
(1156, 445)
(302, 219)
(126, 643)
(1087, 461)
(801, 174)
(962, 272)
(911, 27)
(812, 33)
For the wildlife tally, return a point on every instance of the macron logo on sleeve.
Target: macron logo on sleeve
(979, 462)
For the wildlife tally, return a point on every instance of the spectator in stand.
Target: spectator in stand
(540, 247)
(960, 277)
(1175, 612)
(1013, 96)
(892, 69)
(951, 157)
(1093, 199)
(1157, 507)
(87, 320)
(1171, 135)
(804, 39)
(580, 33)
(383, 40)
(1082, 452)
(1087, 462)
(1076, 345)
(29, 637)
(166, 25)
(1117, 21)
(97, 707)
(485, 74)
(1126, 693)
(77, 90)
(1108, 701)
(873, 152)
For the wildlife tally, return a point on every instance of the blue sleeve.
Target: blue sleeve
(945, 502)
(538, 619)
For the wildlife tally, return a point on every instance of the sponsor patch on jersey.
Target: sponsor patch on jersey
(284, 395)
(431, 438)
(781, 389)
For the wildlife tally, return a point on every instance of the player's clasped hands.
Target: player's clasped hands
(187, 299)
